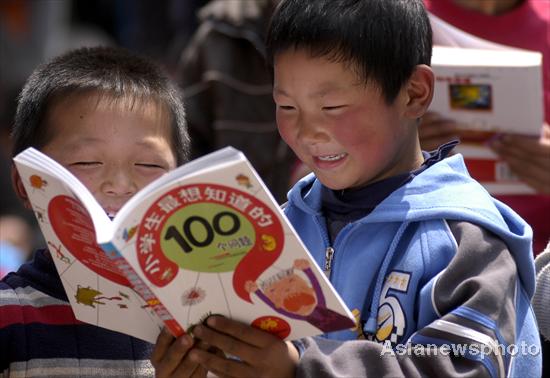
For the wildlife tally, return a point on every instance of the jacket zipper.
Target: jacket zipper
(329, 255)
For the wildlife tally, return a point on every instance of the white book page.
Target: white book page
(39, 161)
(69, 217)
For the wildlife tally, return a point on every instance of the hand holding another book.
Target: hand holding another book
(527, 157)
(435, 129)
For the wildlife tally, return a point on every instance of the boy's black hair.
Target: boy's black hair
(108, 71)
(383, 39)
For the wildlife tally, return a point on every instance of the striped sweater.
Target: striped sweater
(39, 335)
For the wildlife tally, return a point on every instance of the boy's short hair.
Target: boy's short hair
(382, 39)
(110, 72)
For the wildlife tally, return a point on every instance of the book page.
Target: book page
(217, 243)
(98, 293)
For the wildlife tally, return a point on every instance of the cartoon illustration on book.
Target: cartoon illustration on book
(244, 180)
(58, 253)
(37, 182)
(289, 294)
(90, 297)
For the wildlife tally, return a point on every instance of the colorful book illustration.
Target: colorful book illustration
(206, 238)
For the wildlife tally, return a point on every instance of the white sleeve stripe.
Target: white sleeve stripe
(432, 294)
(472, 334)
(451, 236)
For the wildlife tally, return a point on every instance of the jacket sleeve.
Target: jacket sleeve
(541, 299)
(473, 302)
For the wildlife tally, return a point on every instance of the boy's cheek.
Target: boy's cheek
(286, 130)
(145, 178)
(90, 180)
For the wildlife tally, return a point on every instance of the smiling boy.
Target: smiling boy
(112, 146)
(117, 123)
(416, 248)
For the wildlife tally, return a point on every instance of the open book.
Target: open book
(488, 89)
(206, 238)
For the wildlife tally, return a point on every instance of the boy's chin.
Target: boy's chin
(332, 184)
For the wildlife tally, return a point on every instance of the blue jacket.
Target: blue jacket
(437, 263)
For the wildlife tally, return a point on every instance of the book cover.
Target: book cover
(476, 81)
(477, 88)
(206, 238)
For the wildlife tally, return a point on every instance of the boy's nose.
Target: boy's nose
(118, 182)
(310, 130)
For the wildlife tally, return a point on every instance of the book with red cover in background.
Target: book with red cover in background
(488, 89)
(206, 238)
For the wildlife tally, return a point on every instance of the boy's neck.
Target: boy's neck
(489, 7)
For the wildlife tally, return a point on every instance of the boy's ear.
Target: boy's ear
(419, 90)
(19, 187)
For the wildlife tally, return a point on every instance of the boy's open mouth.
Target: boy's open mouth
(331, 157)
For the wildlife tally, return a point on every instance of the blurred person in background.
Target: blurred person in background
(16, 238)
(159, 30)
(228, 89)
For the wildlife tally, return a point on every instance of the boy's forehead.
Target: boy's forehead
(91, 102)
(325, 73)
(91, 115)
(95, 99)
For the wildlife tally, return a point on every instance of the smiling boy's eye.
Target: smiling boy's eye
(286, 107)
(338, 107)
(150, 165)
(85, 163)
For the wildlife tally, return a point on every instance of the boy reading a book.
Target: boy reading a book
(439, 273)
(117, 123)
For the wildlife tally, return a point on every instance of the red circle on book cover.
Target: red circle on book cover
(274, 325)
(269, 234)
(74, 228)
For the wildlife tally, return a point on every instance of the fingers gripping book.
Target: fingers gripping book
(206, 238)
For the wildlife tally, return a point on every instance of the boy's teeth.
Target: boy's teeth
(331, 157)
